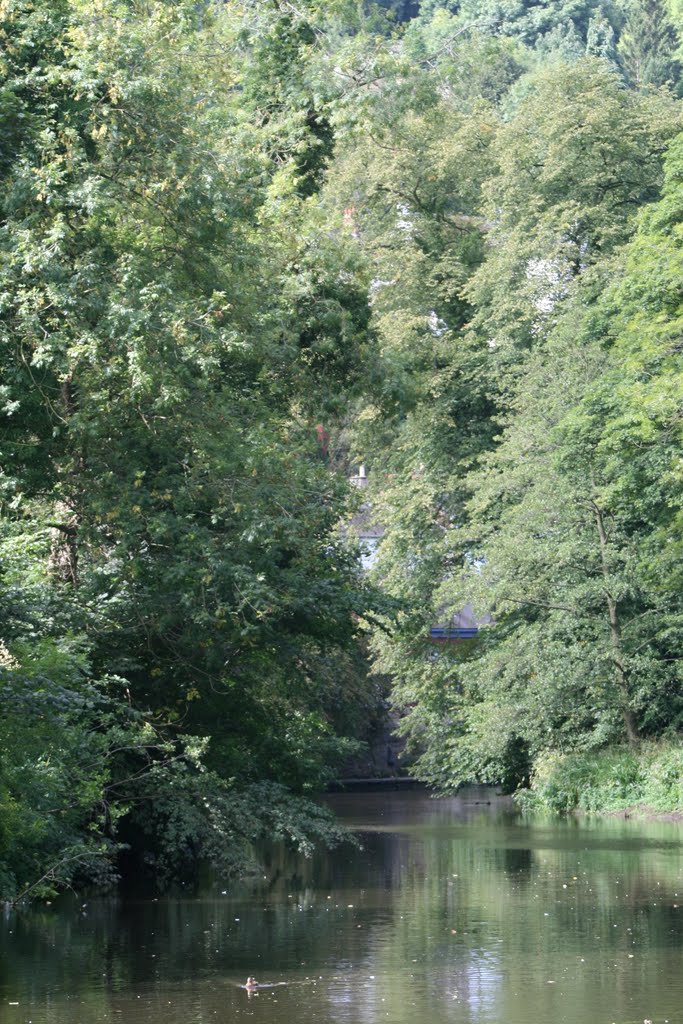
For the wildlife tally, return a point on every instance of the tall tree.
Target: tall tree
(548, 25)
(649, 45)
(576, 160)
(160, 347)
(540, 529)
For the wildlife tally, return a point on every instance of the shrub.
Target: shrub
(608, 780)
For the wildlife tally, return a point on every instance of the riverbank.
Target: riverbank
(646, 783)
(644, 812)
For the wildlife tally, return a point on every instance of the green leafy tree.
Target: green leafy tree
(547, 25)
(641, 431)
(648, 45)
(161, 341)
(560, 545)
(409, 181)
(538, 535)
(577, 159)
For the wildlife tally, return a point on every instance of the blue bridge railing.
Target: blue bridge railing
(453, 632)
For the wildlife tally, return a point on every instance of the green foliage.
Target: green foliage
(51, 775)
(557, 27)
(82, 777)
(579, 632)
(611, 780)
(199, 817)
(575, 161)
(401, 10)
(175, 323)
(648, 45)
(243, 245)
(521, 478)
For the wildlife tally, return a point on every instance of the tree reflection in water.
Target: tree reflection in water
(451, 907)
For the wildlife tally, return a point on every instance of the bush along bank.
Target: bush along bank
(647, 781)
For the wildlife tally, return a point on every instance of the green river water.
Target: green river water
(454, 910)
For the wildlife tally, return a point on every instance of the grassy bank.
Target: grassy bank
(649, 780)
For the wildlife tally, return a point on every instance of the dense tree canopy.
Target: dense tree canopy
(162, 471)
(245, 246)
(507, 475)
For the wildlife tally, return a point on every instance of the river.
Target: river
(453, 910)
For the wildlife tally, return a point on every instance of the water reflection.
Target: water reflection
(453, 910)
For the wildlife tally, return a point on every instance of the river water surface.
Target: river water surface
(454, 910)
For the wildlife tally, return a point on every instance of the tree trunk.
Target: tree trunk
(615, 632)
(64, 548)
